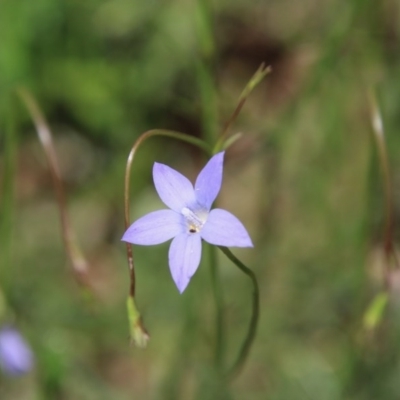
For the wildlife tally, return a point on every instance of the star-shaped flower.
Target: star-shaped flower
(16, 357)
(189, 219)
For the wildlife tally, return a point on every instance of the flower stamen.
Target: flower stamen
(195, 221)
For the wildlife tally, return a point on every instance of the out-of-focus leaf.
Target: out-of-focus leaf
(374, 313)
(138, 333)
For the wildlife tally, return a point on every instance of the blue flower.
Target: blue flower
(189, 219)
(16, 357)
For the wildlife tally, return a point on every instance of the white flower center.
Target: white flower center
(194, 220)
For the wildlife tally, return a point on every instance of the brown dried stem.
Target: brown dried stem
(78, 262)
(379, 136)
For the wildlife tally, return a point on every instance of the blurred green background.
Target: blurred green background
(304, 179)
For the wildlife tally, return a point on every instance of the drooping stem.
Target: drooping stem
(251, 332)
(79, 264)
(219, 305)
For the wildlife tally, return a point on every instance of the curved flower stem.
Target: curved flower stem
(219, 315)
(79, 264)
(138, 332)
(245, 349)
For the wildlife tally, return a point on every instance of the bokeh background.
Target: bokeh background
(304, 179)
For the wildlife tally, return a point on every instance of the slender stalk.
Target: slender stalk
(378, 130)
(251, 332)
(258, 76)
(219, 305)
(209, 108)
(79, 264)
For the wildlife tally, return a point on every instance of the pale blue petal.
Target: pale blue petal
(208, 183)
(155, 228)
(184, 258)
(224, 229)
(174, 189)
(16, 357)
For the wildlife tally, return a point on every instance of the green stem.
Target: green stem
(209, 108)
(219, 305)
(258, 76)
(248, 341)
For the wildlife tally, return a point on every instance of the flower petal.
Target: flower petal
(154, 228)
(208, 183)
(175, 190)
(184, 258)
(16, 357)
(224, 229)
